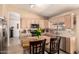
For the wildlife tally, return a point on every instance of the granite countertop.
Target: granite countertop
(67, 33)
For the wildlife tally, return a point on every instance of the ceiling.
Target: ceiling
(48, 10)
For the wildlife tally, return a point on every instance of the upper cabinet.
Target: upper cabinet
(67, 20)
(26, 22)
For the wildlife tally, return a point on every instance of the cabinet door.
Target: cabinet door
(41, 23)
(68, 45)
(67, 21)
(72, 44)
(63, 44)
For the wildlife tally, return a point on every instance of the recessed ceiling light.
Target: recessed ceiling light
(36, 5)
(32, 6)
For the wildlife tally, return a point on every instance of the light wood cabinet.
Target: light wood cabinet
(68, 44)
(26, 23)
(67, 19)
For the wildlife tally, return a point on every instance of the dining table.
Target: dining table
(26, 40)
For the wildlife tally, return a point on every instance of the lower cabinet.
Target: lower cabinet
(68, 44)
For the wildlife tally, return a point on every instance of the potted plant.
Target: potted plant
(38, 32)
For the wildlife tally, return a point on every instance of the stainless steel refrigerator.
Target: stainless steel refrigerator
(3, 36)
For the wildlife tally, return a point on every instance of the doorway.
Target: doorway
(14, 25)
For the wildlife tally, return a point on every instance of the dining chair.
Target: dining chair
(54, 46)
(37, 47)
